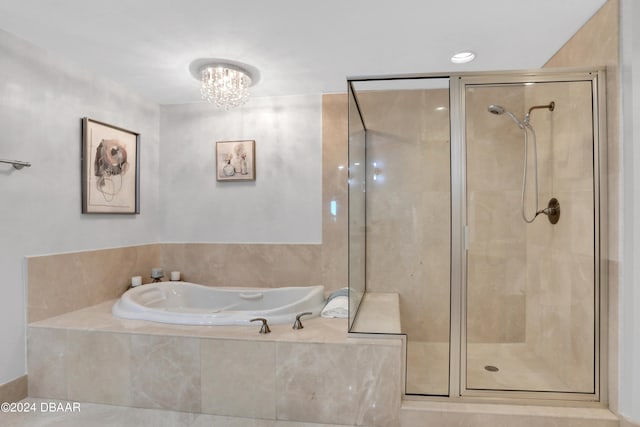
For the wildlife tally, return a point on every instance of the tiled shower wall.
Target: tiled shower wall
(496, 261)
(596, 44)
(407, 206)
(560, 257)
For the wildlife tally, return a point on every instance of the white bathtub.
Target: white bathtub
(186, 303)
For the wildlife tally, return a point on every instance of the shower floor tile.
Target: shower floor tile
(518, 368)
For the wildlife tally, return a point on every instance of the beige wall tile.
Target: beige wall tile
(46, 362)
(62, 283)
(238, 378)
(596, 44)
(97, 366)
(14, 391)
(65, 282)
(165, 372)
(338, 384)
(254, 265)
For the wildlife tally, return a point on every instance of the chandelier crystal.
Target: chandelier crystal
(226, 86)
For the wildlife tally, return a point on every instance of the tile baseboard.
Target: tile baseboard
(14, 391)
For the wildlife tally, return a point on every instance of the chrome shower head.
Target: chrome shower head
(499, 110)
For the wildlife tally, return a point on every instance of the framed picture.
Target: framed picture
(110, 169)
(236, 160)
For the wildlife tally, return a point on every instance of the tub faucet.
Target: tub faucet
(264, 329)
(298, 324)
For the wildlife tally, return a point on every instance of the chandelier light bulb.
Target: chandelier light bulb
(225, 86)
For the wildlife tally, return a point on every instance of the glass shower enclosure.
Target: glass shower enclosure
(478, 200)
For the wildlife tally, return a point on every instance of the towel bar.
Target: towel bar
(16, 163)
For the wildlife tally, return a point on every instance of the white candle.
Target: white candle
(175, 276)
(136, 281)
(156, 273)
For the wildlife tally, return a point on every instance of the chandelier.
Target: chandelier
(224, 83)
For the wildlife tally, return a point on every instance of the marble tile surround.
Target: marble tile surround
(316, 374)
(240, 264)
(62, 283)
(238, 378)
(597, 44)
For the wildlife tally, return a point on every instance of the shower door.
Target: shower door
(531, 301)
(476, 201)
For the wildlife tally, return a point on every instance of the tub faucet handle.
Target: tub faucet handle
(298, 324)
(264, 329)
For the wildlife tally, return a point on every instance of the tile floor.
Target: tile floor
(97, 415)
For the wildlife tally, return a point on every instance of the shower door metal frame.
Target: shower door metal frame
(458, 256)
(459, 235)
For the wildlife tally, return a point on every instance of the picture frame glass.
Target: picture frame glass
(110, 169)
(236, 160)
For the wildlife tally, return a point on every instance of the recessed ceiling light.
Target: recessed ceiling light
(463, 57)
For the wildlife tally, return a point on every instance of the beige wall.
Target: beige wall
(597, 44)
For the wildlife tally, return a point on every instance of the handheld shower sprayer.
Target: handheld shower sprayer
(498, 110)
(553, 209)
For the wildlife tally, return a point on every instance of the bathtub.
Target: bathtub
(187, 303)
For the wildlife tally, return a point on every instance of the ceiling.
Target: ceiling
(299, 46)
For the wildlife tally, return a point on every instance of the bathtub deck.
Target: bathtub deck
(99, 318)
(318, 374)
